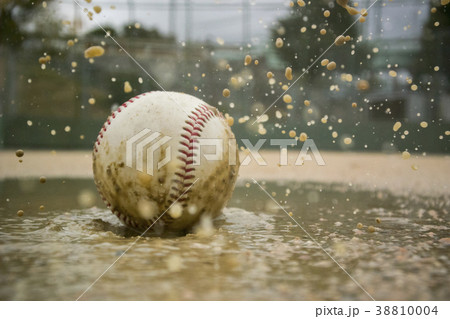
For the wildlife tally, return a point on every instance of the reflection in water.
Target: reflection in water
(255, 252)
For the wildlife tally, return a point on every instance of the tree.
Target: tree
(301, 47)
(13, 14)
(99, 32)
(435, 50)
(130, 31)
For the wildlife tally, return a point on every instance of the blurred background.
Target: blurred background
(395, 68)
(382, 214)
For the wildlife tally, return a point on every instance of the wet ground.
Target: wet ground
(256, 252)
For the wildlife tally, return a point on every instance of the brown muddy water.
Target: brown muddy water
(256, 251)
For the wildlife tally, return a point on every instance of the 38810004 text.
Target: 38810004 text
(406, 311)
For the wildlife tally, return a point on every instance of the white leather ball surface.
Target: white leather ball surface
(143, 162)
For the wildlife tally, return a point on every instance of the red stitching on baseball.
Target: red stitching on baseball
(197, 120)
(97, 143)
(185, 175)
(186, 153)
(113, 116)
(186, 136)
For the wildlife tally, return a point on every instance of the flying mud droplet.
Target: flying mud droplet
(362, 85)
(288, 73)
(247, 60)
(230, 119)
(127, 87)
(174, 263)
(176, 211)
(94, 51)
(303, 137)
(205, 227)
(287, 98)
(279, 43)
(392, 73)
(86, 198)
(45, 59)
(340, 40)
(331, 66)
(147, 209)
(406, 155)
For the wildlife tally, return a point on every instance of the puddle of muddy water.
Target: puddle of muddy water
(257, 252)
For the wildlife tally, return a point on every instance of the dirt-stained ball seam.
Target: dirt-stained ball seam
(124, 218)
(112, 117)
(185, 175)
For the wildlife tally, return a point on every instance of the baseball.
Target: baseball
(151, 168)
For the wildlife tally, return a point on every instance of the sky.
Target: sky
(209, 19)
(236, 20)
